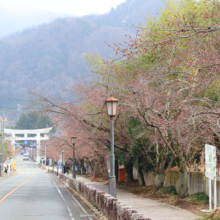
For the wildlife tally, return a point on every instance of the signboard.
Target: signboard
(3, 119)
(13, 165)
(210, 172)
(210, 161)
(25, 142)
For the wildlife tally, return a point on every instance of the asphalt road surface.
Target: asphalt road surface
(33, 194)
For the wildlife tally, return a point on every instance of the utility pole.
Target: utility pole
(2, 154)
(3, 119)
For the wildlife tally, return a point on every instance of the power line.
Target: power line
(12, 108)
(10, 98)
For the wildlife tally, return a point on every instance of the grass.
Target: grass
(215, 215)
(199, 197)
(168, 190)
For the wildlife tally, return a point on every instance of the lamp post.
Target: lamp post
(57, 167)
(112, 104)
(45, 157)
(62, 161)
(73, 139)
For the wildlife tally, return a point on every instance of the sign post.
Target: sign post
(210, 172)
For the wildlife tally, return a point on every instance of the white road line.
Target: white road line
(80, 206)
(70, 213)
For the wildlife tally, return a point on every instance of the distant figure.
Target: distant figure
(6, 170)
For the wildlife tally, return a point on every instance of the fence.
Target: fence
(110, 206)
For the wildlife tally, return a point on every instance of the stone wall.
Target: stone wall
(112, 208)
(149, 179)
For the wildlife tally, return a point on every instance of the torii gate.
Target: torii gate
(37, 135)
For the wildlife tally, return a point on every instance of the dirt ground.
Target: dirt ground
(148, 192)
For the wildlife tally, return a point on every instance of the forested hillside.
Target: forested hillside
(49, 58)
(131, 12)
(12, 21)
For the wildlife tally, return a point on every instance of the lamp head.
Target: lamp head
(111, 105)
(73, 139)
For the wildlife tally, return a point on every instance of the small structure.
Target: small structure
(37, 135)
(210, 172)
(121, 174)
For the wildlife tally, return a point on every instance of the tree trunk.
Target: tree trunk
(116, 168)
(96, 173)
(101, 169)
(182, 182)
(82, 167)
(160, 175)
(159, 180)
(129, 171)
(140, 174)
(92, 166)
(88, 168)
(78, 165)
(160, 164)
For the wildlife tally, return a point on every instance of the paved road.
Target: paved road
(35, 194)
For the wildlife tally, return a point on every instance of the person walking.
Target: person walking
(6, 169)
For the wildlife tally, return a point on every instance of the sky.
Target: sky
(73, 7)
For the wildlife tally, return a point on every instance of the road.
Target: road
(33, 194)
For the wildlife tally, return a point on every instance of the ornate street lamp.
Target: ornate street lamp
(62, 161)
(73, 139)
(112, 105)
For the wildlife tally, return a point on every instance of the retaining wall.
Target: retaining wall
(197, 182)
(112, 208)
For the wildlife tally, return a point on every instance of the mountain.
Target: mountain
(131, 12)
(48, 57)
(12, 21)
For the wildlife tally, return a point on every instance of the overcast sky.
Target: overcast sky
(74, 7)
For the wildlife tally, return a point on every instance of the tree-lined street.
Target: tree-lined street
(141, 114)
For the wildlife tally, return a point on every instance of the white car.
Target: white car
(25, 157)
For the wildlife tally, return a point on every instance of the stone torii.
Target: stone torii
(37, 135)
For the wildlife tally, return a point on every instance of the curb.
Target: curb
(97, 213)
(7, 176)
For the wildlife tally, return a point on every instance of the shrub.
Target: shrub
(200, 197)
(168, 190)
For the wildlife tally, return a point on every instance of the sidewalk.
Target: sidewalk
(6, 175)
(150, 208)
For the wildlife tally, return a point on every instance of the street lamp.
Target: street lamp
(62, 161)
(112, 105)
(45, 157)
(73, 139)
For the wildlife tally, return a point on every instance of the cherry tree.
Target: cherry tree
(167, 77)
(170, 78)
